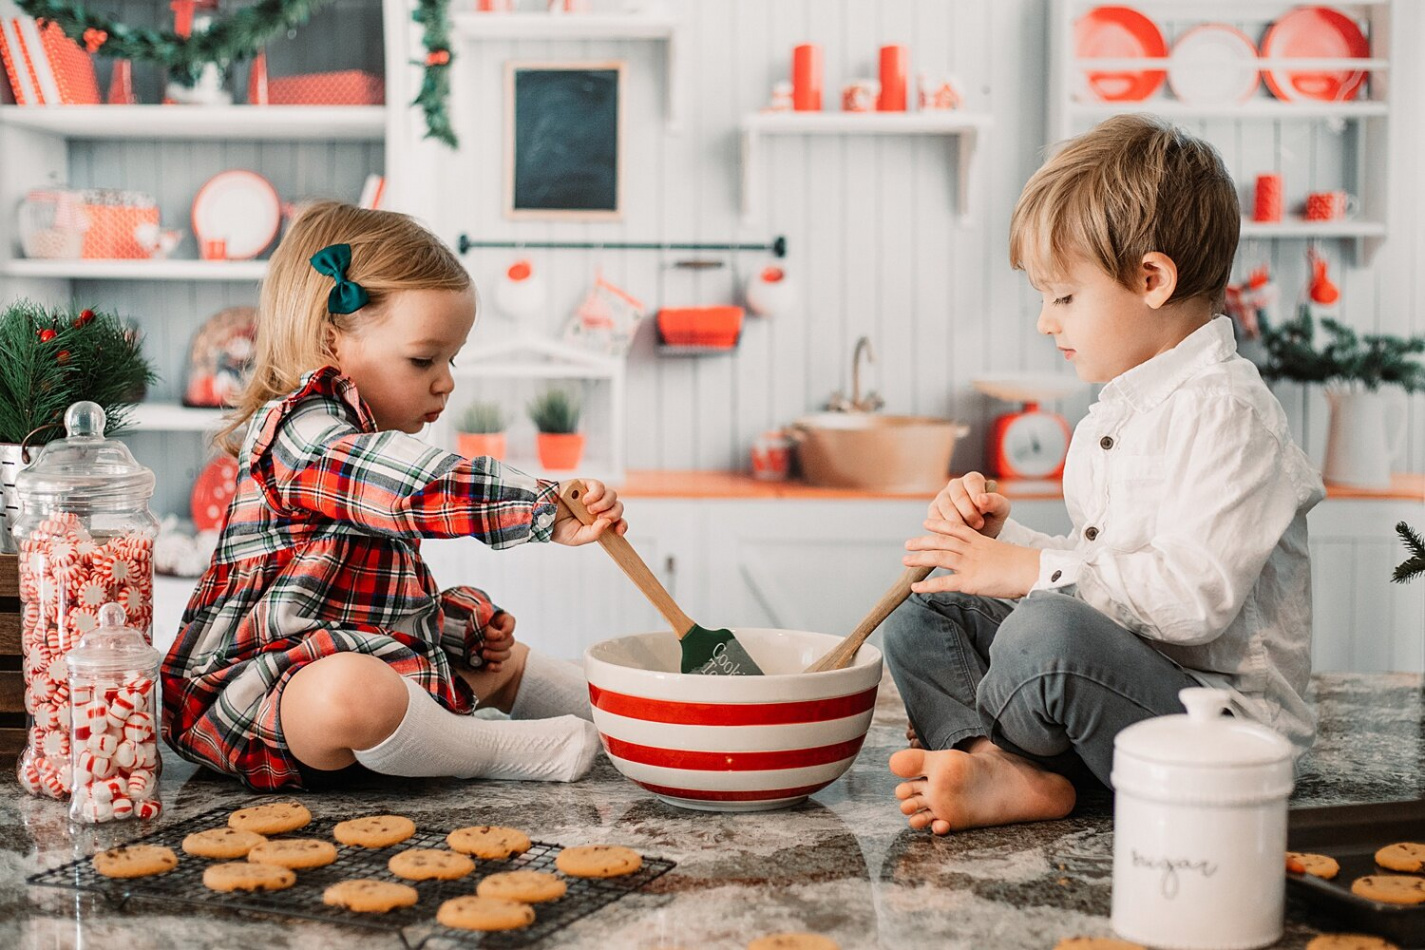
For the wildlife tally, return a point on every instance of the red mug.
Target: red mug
(215, 249)
(1329, 205)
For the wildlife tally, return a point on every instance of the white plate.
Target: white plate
(239, 207)
(1027, 387)
(1213, 64)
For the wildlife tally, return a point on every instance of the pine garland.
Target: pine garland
(1371, 360)
(1414, 565)
(241, 36)
(51, 358)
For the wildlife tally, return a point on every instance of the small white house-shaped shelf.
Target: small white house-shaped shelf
(512, 372)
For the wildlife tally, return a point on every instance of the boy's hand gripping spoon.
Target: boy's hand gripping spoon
(713, 652)
(841, 655)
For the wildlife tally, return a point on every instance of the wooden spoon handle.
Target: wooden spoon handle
(571, 495)
(840, 656)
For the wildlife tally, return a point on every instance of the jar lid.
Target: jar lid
(85, 467)
(1202, 756)
(112, 646)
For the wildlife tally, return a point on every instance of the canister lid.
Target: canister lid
(1203, 755)
(84, 467)
(112, 646)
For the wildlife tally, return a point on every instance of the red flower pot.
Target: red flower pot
(475, 444)
(559, 451)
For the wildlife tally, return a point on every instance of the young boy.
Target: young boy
(1188, 561)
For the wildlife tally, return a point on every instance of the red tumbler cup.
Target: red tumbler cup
(895, 63)
(806, 78)
(1267, 202)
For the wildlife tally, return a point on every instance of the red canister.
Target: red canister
(806, 78)
(895, 63)
(1267, 202)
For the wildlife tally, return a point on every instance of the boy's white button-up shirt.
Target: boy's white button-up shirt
(1188, 500)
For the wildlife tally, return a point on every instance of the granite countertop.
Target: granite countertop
(843, 864)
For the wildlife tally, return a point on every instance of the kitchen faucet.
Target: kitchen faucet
(872, 400)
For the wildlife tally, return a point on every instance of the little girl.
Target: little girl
(317, 644)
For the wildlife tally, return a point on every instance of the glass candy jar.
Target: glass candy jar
(114, 758)
(85, 535)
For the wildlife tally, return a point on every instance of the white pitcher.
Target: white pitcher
(1362, 442)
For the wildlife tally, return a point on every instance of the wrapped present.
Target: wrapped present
(350, 87)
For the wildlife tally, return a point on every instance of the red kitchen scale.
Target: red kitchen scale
(1028, 443)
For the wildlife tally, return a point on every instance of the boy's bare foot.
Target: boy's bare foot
(950, 790)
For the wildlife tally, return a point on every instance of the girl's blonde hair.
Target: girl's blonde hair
(389, 252)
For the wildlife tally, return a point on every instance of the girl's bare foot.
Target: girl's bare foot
(949, 790)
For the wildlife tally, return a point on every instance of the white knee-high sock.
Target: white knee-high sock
(551, 687)
(430, 740)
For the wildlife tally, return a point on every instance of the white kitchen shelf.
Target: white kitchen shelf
(173, 417)
(968, 127)
(1255, 109)
(579, 27)
(288, 123)
(1359, 128)
(1305, 230)
(135, 270)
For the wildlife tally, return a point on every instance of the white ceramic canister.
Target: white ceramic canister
(1199, 829)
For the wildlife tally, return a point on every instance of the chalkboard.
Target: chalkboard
(563, 140)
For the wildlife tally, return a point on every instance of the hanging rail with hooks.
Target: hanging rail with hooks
(777, 247)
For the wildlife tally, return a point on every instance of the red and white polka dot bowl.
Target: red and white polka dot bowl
(731, 743)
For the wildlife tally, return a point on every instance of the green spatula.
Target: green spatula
(714, 652)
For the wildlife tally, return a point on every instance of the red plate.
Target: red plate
(1120, 33)
(1316, 33)
(213, 491)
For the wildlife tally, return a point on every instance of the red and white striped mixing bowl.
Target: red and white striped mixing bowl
(731, 743)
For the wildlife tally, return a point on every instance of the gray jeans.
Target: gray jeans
(1047, 677)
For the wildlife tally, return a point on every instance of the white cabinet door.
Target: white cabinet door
(816, 565)
(565, 598)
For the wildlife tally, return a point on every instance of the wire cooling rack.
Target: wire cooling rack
(416, 925)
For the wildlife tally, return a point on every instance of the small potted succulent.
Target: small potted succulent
(556, 415)
(482, 431)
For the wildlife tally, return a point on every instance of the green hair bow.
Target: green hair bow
(347, 296)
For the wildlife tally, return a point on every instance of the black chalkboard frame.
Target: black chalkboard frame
(513, 70)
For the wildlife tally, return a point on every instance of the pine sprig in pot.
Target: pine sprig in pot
(555, 411)
(53, 357)
(1414, 565)
(483, 418)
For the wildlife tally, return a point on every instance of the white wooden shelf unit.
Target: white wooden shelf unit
(228, 123)
(513, 371)
(578, 27)
(1363, 122)
(970, 128)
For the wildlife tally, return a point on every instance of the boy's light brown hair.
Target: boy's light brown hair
(1132, 185)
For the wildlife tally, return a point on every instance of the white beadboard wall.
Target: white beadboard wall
(874, 243)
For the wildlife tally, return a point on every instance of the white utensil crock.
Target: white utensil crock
(1362, 441)
(1199, 829)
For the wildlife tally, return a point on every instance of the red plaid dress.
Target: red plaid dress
(321, 553)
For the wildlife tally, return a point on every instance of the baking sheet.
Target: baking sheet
(1352, 834)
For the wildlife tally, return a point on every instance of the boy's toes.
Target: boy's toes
(908, 763)
(940, 827)
(912, 805)
(906, 789)
(920, 820)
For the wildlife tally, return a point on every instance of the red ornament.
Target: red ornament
(438, 57)
(62, 357)
(46, 335)
(94, 38)
(84, 317)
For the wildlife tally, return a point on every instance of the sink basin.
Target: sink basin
(874, 452)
